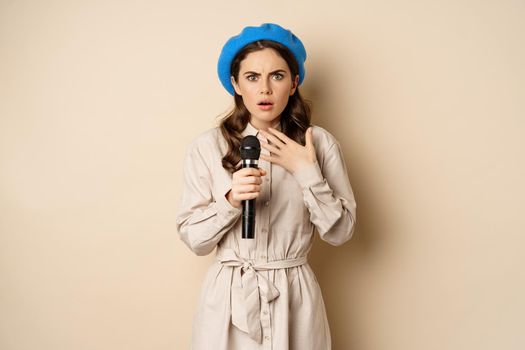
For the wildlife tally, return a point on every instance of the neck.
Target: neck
(261, 125)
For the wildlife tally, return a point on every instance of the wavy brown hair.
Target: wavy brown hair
(295, 118)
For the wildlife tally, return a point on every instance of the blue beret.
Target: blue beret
(267, 31)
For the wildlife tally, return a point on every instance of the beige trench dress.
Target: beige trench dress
(261, 293)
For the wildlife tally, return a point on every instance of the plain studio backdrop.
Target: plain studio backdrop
(99, 99)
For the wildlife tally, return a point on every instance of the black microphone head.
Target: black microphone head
(250, 147)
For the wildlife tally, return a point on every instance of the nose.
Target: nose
(265, 87)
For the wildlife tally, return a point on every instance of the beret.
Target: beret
(266, 31)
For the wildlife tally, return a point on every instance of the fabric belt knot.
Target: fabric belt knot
(249, 286)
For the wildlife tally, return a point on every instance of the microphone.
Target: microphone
(250, 152)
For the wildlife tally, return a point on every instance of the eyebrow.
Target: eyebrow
(275, 71)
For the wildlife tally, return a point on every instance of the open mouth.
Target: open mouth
(265, 106)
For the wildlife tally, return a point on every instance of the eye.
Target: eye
(278, 76)
(251, 77)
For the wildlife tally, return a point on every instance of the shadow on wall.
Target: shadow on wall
(339, 269)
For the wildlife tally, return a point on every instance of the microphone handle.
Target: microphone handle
(248, 213)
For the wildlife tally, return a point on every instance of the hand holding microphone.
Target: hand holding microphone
(247, 184)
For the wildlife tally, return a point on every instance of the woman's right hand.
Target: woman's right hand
(245, 185)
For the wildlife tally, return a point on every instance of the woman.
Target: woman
(261, 293)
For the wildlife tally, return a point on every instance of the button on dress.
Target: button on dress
(261, 293)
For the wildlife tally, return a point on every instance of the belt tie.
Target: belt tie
(245, 307)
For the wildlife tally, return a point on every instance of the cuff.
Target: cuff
(309, 175)
(225, 208)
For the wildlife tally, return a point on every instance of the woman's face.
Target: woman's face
(265, 84)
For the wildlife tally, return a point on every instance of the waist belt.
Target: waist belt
(245, 307)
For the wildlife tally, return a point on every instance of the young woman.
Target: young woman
(261, 293)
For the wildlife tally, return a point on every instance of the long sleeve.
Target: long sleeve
(263, 289)
(202, 220)
(328, 196)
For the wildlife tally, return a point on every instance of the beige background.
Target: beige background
(98, 100)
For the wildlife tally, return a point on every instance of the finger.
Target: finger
(271, 159)
(247, 172)
(271, 148)
(247, 196)
(280, 135)
(247, 188)
(247, 180)
(274, 139)
(250, 180)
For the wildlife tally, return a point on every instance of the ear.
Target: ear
(295, 83)
(235, 86)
